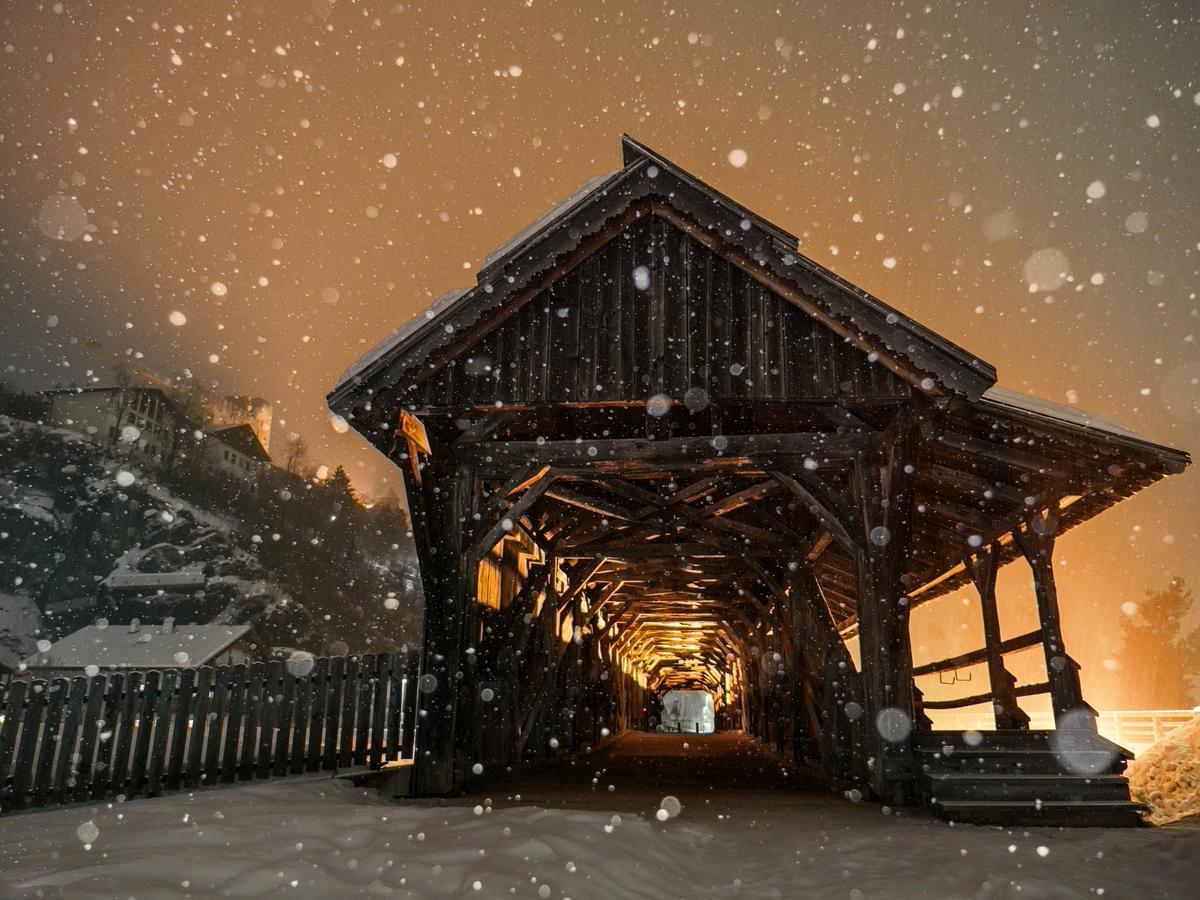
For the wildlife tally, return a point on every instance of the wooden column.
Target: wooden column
(1008, 714)
(882, 490)
(441, 499)
(1035, 538)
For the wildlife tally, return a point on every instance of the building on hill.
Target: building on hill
(236, 452)
(145, 419)
(242, 410)
(132, 646)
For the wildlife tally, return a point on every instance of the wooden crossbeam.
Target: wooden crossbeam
(1025, 690)
(974, 657)
(738, 499)
(818, 445)
(589, 503)
(833, 516)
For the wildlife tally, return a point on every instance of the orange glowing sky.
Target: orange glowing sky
(250, 145)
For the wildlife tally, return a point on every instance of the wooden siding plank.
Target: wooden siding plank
(319, 688)
(218, 724)
(362, 727)
(199, 727)
(64, 774)
(333, 709)
(253, 713)
(233, 723)
(162, 732)
(272, 700)
(125, 732)
(144, 731)
(92, 714)
(285, 721)
(383, 686)
(56, 697)
(350, 684)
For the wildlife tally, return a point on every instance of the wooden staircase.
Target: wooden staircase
(1064, 778)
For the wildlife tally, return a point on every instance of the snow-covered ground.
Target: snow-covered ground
(316, 837)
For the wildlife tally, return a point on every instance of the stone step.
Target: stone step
(1009, 786)
(1064, 813)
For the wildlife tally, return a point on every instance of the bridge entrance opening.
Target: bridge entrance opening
(687, 712)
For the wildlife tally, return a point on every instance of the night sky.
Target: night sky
(290, 181)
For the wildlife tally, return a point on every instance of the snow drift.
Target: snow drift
(1166, 778)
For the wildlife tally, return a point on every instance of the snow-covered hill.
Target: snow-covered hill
(87, 532)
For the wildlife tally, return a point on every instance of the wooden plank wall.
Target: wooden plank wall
(128, 733)
(595, 336)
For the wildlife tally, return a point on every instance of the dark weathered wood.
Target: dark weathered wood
(93, 712)
(335, 687)
(162, 732)
(300, 721)
(144, 729)
(253, 712)
(318, 722)
(233, 723)
(124, 732)
(64, 768)
(194, 768)
(106, 738)
(181, 730)
(272, 700)
(14, 711)
(285, 719)
(364, 703)
(1025, 690)
(1036, 541)
(219, 724)
(974, 657)
(42, 783)
(376, 755)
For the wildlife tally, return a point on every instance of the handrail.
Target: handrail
(1020, 642)
(1025, 690)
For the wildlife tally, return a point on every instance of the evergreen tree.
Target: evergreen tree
(1161, 661)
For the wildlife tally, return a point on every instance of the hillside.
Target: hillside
(86, 532)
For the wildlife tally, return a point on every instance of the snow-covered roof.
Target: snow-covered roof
(150, 647)
(1057, 413)
(242, 439)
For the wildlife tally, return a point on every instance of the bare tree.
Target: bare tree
(295, 455)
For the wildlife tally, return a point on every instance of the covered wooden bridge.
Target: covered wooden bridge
(655, 447)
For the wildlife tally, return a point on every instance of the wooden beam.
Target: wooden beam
(818, 445)
(974, 657)
(834, 517)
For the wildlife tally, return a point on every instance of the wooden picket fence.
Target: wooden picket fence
(130, 732)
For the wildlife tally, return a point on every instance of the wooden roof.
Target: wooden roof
(928, 360)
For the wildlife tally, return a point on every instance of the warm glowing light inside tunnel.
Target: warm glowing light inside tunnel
(680, 649)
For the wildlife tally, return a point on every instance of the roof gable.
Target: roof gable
(242, 439)
(650, 184)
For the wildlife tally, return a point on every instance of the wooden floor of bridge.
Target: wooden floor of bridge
(715, 771)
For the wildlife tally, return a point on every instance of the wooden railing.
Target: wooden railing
(132, 732)
(1135, 730)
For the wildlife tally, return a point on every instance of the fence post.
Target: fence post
(66, 742)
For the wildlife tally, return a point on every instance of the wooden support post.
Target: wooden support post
(882, 490)
(1035, 538)
(442, 501)
(1008, 714)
